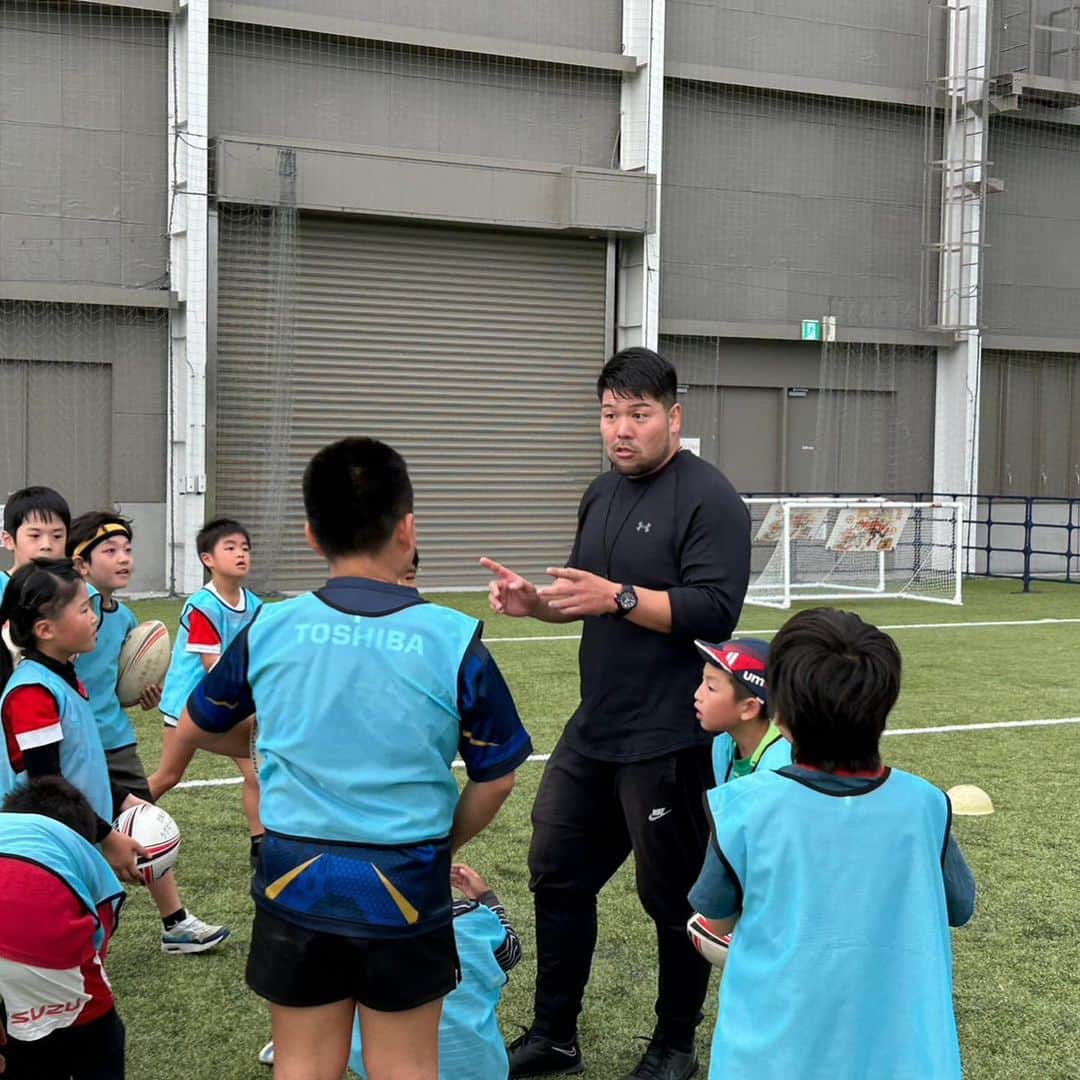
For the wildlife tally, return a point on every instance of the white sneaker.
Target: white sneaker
(192, 936)
(266, 1054)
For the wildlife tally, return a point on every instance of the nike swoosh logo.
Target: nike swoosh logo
(565, 1053)
(656, 815)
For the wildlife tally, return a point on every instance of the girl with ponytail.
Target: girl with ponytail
(49, 727)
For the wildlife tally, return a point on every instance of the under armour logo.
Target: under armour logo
(644, 526)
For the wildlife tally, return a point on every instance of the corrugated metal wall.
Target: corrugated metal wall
(473, 352)
(1029, 436)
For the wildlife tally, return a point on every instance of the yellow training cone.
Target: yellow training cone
(969, 800)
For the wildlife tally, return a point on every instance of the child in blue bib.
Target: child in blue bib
(60, 901)
(210, 621)
(49, 726)
(842, 876)
(99, 543)
(365, 695)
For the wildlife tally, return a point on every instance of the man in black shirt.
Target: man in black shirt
(661, 557)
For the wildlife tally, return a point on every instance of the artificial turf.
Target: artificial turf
(1017, 991)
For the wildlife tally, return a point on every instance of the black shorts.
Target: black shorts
(290, 965)
(93, 1051)
(127, 771)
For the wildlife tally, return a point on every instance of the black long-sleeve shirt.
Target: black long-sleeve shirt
(683, 530)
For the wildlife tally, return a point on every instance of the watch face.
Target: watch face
(627, 600)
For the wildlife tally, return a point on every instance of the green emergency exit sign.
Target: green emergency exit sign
(811, 330)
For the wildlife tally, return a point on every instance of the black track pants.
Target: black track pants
(588, 817)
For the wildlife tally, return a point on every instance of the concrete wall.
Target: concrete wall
(83, 409)
(872, 42)
(580, 24)
(82, 144)
(1032, 272)
(776, 417)
(778, 208)
(282, 84)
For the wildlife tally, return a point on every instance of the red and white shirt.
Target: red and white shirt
(51, 975)
(31, 718)
(203, 636)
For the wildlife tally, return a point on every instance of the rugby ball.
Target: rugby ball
(711, 945)
(158, 833)
(144, 660)
(969, 801)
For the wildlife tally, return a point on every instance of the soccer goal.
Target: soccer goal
(847, 549)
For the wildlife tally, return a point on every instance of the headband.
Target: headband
(108, 530)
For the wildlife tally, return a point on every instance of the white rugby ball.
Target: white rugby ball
(158, 833)
(144, 660)
(711, 945)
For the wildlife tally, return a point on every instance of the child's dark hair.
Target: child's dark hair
(743, 693)
(213, 532)
(37, 590)
(53, 797)
(355, 493)
(832, 681)
(639, 372)
(35, 502)
(94, 527)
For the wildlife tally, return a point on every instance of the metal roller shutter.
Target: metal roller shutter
(473, 352)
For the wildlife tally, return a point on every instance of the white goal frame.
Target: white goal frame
(767, 589)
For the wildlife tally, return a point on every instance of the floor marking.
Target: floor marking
(762, 633)
(945, 729)
(942, 729)
(542, 637)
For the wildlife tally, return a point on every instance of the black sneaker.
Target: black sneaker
(660, 1062)
(536, 1055)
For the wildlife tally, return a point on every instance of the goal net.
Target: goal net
(844, 549)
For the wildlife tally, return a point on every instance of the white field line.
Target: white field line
(761, 633)
(943, 729)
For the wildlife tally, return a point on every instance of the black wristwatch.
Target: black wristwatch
(625, 601)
